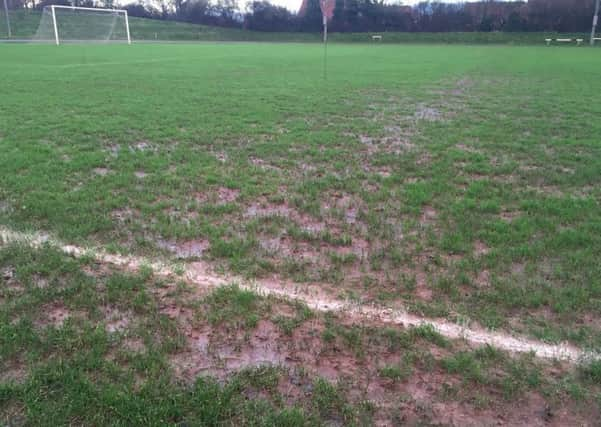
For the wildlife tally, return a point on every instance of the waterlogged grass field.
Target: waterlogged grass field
(458, 182)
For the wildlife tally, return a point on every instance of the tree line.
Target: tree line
(363, 15)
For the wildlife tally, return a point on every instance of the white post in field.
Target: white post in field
(127, 27)
(595, 19)
(54, 24)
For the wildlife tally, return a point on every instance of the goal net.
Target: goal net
(61, 24)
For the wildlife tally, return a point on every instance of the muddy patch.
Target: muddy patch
(262, 349)
(518, 268)
(418, 394)
(422, 288)
(227, 195)
(142, 146)
(116, 320)
(265, 209)
(483, 279)
(509, 216)
(344, 207)
(221, 156)
(427, 114)
(125, 214)
(134, 345)
(7, 274)
(101, 171)
(428, 215)
(263, 164)
(350, 215)
(566, 170)
(467, 148)
(53, 314)
(180, 215)
(218, 196)
(40, 281)
(257, 210)
(113, 150)
(5, 207)
(423, 159)
(358, 247)
(13, 372)
(529, 168)
(285, 249)
(381, 171)
(186, 249)
(391, 144)
(480, 248)
(306, 168)
(219, 352)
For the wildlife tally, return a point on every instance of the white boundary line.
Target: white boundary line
(100, 64)
(203, 278)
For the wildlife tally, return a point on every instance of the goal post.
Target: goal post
(61, 24)
(54, 27)
(595, 19)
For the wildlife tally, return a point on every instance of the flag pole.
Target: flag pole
(327, 12)
(325, 47)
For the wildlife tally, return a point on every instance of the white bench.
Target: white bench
(578, 41)
(376, 37)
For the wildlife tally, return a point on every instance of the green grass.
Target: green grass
(469, 173)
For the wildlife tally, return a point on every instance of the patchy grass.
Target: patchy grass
(591, 371)
(457, 181)
(443, 191)
(133, 349)
(237, 307)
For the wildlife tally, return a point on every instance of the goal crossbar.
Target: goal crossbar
(95, 9)
(55, 27)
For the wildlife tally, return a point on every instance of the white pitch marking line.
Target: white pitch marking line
(97, 64)
(514, 344)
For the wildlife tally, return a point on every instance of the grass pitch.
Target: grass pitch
(458, 181)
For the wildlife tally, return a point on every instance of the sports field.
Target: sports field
(459, 184)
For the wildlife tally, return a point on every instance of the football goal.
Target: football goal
(61, 24)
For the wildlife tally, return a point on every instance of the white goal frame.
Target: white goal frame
(56, 6)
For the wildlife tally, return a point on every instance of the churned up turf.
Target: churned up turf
(86, 343)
